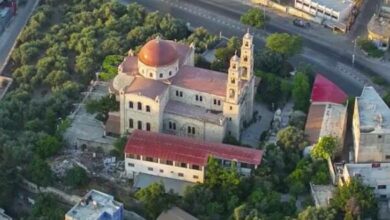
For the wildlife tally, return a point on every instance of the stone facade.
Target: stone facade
(160, 90)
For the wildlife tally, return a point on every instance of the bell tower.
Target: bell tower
(246, 61)
(234, 78)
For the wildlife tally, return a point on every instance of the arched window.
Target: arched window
(245, 58)
(161, 75)
(231, 93)
(246, 43)
(170, 73)
(139, 106)
(151, 75)
(244, 71)
(147, 108)
(233, 81)
(131, 125)
(148, 126)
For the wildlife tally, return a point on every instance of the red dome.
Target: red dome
(157, 52)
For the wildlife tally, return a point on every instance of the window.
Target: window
(246, 43)
(181, 94)
(196, 97)
(170, 73)
(151, 75)
(230, 118)
(131, 104)
(180, 174)
(177, 92)
(150, 169)
(140, 125)
(169, 162)
(379, 136)
(195, 167)
(387, 157)
(183, 165)
(161, 171)
(161, 75)
(148, 126)
(139, 106)
(245, 58)
(170, 125)
(150, 159)
(130, 164)
(215, 101)
(381, 186)
(131, 125)
(189, 129)
(383, 196)
(231, 108)
(232, 80)
(174, 126)
(193, 130)
(195, 177)
(219, 102)
(200, 98)
(147, 108)
(132, 156)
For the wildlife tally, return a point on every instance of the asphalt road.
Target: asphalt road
(215, 23)
(8, 37)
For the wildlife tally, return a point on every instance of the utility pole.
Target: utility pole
(264, 17)
(354, 51)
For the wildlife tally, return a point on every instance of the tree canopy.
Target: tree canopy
(284, 44)
(301, 92)
(325, 148)
(254, 17)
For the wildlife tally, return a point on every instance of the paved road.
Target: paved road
(8, 38)
(215, 23)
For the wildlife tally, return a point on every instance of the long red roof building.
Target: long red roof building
(187, 150)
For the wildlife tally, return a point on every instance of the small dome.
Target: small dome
(158, 52)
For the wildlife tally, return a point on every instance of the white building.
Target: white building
(4, 216)
(375, 175)
(160, 90)
(334, 10)
(371, 128)
(327, 113)
(182, 158)
(96, 206)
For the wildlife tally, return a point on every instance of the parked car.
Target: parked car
(301, 23)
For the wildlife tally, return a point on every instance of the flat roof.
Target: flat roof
(337, 5)
(94, 205)
(379, 25)
(374, 114)
(322, 193)
(143, 180)
(325, 119)
(195, 112)
(369, 174)
(188, 150)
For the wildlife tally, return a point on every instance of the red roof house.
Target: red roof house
(325, 90)
(188, 150)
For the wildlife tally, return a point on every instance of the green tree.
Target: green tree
(301, 92)
(355, 199)
(76, 177)
(47, 146)
(110, 67)
(155, 199)
(254, 17)
(317, 214)
(202, 39)
(284, 44)
(325, 148)
(46, 208)
(291, 138)
(386, 98)
(223, 55)
(39, 172)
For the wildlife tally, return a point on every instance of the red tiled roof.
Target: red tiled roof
(202, 80)
(187, 150)
(325, 90)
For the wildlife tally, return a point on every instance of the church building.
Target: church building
(161, 90)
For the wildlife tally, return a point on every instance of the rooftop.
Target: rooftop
(379, 25)
(321, 194)
(202, 80)
(4, 216)
(158, 52)
(188, 150)
(113, 123)
(175, 213)
(94, 205)
(325, 119)
(325, 90)
(193, 111)
(374, 114)
(337, 5)
(146, 87)
(369, 174)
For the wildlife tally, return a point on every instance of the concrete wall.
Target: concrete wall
(158, 169)
(203, 130)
